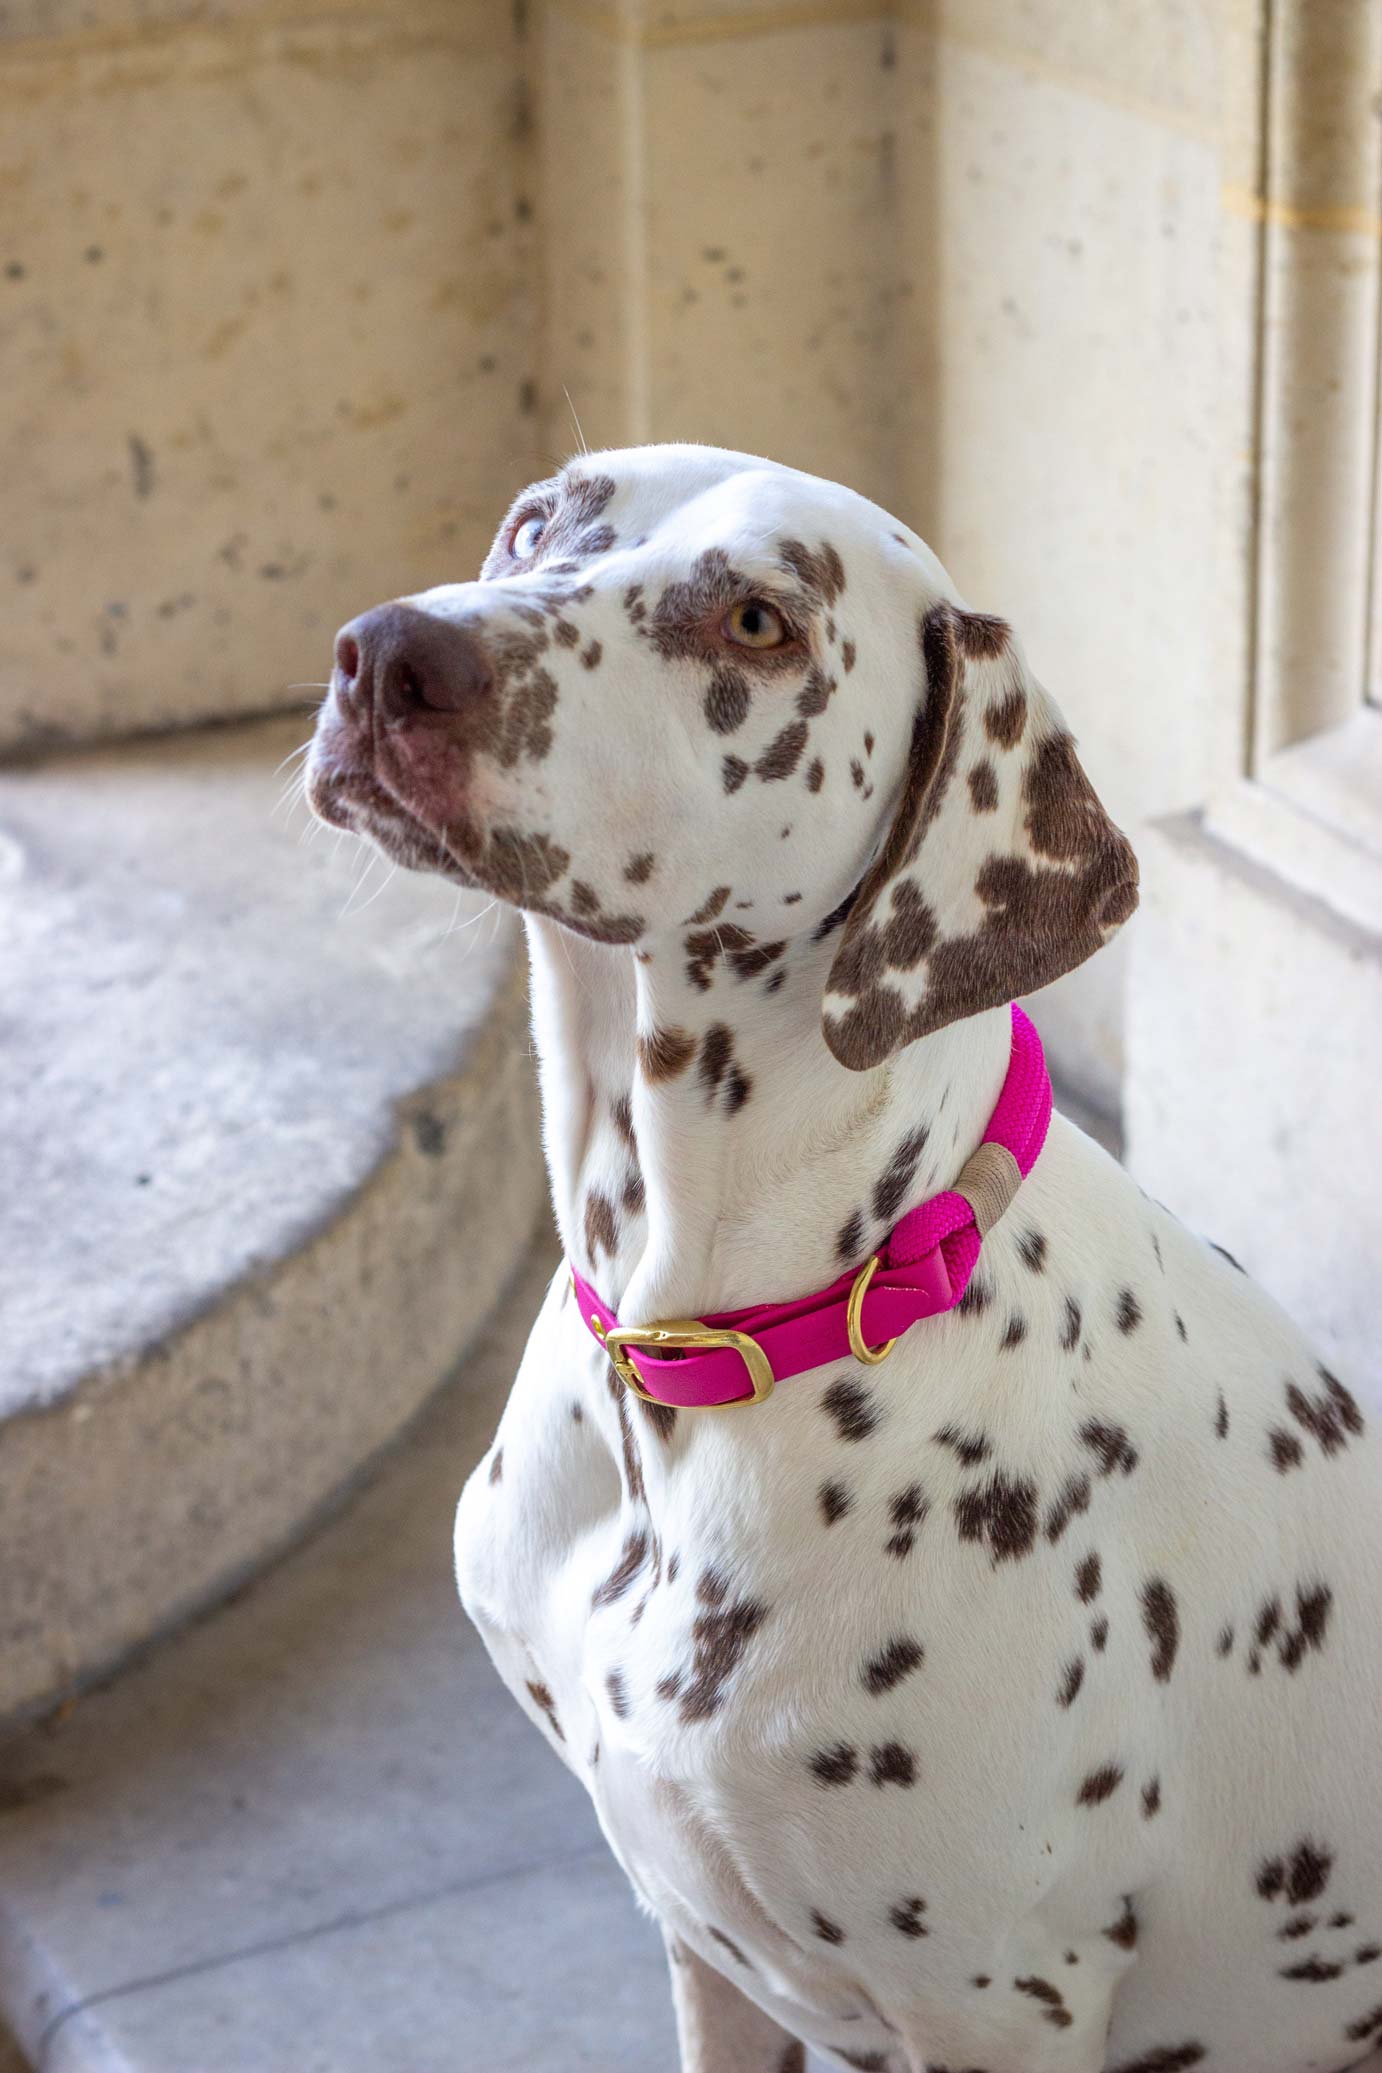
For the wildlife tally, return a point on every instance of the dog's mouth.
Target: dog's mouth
(354, 799)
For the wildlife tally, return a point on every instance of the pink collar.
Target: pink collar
(922, 1269)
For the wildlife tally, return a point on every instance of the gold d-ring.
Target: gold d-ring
(854, 1311)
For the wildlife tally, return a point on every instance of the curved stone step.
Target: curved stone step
(268, 1148)
(315, 1835)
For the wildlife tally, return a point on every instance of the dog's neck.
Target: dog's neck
(706, 1150)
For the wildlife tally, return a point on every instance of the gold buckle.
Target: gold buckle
(854, 1311)
(688, 1331)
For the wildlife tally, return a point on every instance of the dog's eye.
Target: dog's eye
(753, 625)
(524, 542)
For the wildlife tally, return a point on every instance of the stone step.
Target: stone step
(315, 1835)
(268, 1147)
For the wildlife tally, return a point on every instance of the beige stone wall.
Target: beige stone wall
(720, 235)
(1080, 233)
(267, 337)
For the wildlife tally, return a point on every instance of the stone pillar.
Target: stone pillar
(720, 248)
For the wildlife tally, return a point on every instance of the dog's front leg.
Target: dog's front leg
(719, 2030)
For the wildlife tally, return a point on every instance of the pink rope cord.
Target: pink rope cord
(1019, 1123)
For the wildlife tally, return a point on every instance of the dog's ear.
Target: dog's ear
(1000, 870)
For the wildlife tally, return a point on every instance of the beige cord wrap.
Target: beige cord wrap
(988, 1181)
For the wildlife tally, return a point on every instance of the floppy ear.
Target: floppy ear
(1000, 870)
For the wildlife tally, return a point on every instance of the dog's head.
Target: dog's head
(697, 694)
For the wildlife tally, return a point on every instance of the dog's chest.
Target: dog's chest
(972, 1631)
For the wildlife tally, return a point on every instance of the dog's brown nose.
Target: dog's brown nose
(399, 660)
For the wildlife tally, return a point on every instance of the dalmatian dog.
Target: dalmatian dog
(1011, 1705)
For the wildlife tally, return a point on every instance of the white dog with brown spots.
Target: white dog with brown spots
(1015, 1704)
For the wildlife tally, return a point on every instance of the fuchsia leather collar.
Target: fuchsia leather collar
(922, 1269)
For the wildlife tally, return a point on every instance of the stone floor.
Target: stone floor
(314, 1835)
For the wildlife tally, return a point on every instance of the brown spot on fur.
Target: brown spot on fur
(727, 700)
(1070, 1331)
(897, 1659)
(1098, 1636)
(718, 1072)
(1162, 1621)
(891, 1191)
(601, 1226)
(815, 693)
(1129, 1312)
(1074, 1497)
(983, 787)
(1089, 1578)
(705, 947)
(1167, 2058)
(783, 752)
(1051, 1997)
(1006, 717)
(908, 1511)
(1367, 2026)
(981, 636)
(665, 1053)
(1315, 1969)
(1100, 1785)
(542, 1698)
(815, 776)
(618, 1694)
(1071, 1682)
(496, 1467)
(1302, 1877)
(852, 1408)
(970, 1449)
(1285, 1449)
(1123, 1932)
(834, 1500)
(1000, 1513)
(820, 572)
(1331, 1416)
(849, 1243)
(826, 1930)
(1031, 1250)
(905, 1916)
(848, 651)
(621, 1111)
(720, 1634)
(1151, 1799)
(1014, 1335)
(1313, 1608)
(712, 907)
(639, 869)
(727, 1943)
(835, 1766)
(733, 771)
(1111, 1445)
(976, 1298)
(624, 1571)
(891, 1764)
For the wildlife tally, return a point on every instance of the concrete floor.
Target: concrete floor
(314, 1835)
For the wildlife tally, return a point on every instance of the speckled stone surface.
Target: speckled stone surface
(267, 307)
(315, 1834)
(271, 1149)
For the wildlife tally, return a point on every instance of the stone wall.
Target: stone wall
(267, 337)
